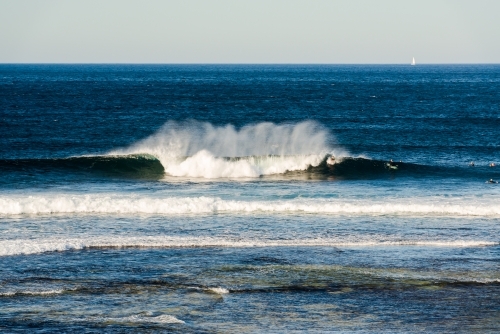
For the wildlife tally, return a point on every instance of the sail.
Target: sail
(413, 61)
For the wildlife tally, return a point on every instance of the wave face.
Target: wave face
(133, 204)
(195, 149)
(133, 165)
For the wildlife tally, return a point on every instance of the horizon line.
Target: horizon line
(225, 63)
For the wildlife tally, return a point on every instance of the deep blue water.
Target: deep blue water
(199, 198)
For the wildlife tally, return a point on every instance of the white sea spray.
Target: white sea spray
(196, 149)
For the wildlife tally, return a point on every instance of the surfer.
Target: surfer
(492, 164)
(491, 181)
(391, 165)
(471, 164)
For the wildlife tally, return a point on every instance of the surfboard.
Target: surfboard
(388, 165)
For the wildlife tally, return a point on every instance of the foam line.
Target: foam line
(31, 293)
(161, 319)
(134, 204)
(33, 246)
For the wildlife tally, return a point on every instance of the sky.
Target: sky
(250, 31)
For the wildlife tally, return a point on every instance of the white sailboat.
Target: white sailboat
(413, 61)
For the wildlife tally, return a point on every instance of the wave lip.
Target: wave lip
(30, 246)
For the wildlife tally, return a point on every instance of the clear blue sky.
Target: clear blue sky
(251, 31)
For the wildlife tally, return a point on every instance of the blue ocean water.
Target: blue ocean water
(202, 198)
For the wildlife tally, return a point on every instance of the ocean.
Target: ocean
(200, 198)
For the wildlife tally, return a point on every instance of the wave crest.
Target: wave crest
(197, 149)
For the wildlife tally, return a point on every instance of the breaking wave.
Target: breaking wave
(201, 150)
(205, 165)
(195, 149)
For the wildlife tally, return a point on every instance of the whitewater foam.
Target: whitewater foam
(204, 164)
(196, 149)
(31, 293)
(161, 319)
(34, 246)
(218, 290)
(134, 204)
